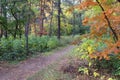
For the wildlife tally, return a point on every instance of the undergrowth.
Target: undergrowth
(14, 49)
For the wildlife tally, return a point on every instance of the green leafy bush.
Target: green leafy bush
(87, 47)
(17, 45)
(52, 43)
(5, 45)
(112, 65)
(14, 49)
(43, 43)
(90, 46)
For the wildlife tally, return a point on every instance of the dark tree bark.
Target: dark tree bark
(5, 15)
(59, 21)
(80, 18)
(1, 33)
(26, 34)
(1, 30)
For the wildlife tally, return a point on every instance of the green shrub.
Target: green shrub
(90, 46)
(38, 43)
(14, 49)
(11, 49)
(33, 43)
(43, 43)
(52, 43)
(87, 47)
(112, 65)
(17, 46)
(5, 45)
(11, 56)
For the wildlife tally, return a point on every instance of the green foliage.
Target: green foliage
(86, 48)
(43, 42)
(65, 40)
(14, 49)
(11, 49)
(116, 65)
(83, 70)
(38, 43)
(52, 43)
(18, 45)
(66, 29)
(3, 22)
(90, 46)
(113, 65)
(5, 45)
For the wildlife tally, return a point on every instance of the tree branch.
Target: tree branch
(108, 21)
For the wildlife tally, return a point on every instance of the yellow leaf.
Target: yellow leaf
(96, 74)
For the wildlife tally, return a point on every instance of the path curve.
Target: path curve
(31, 66)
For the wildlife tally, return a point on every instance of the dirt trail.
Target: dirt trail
(29, 67)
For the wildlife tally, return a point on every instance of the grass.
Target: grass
(52, 72)
(48, 53)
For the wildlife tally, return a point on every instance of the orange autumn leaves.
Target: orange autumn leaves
(112, 49)
(99, 26)
(86, 4)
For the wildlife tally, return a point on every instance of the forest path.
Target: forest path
(31, 66)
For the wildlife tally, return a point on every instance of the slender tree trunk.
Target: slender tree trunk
(5, 15)
(16, 29)
(59, 21)
(73, 31)
(80, 21)
(20, 31)
(6, 34)
(50, 29)
(42, 4)
(41, 20)
(16, 23)
(35, 29)
(1, 33)
(26, 34)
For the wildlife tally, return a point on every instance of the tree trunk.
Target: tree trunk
(5, 15)
(26, 34)
(73, 31)
(42, 4)
(1, 33)
(59, 21)
(50, 28)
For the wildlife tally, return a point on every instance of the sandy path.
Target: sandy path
(29, 67)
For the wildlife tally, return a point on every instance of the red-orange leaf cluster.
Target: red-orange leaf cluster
(86, 4)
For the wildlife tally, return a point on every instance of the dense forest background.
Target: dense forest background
(23, 20)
